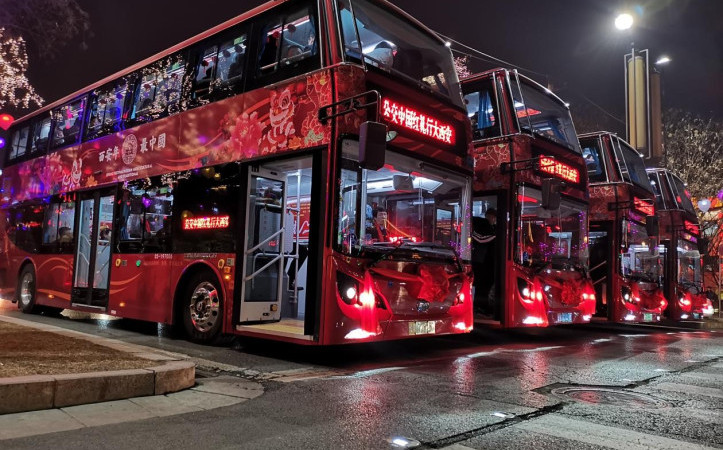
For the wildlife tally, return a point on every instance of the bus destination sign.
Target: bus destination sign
(411, 119)
(559, 170)
(205, 223)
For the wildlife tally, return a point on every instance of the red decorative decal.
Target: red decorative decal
(559, 170)
(691, 227)
(644, 206)
(411, 119)
(527, 112)
(205, 223)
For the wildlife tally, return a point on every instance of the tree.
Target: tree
(460, 65)
(46, 25)
(693, 150)
(15, 89)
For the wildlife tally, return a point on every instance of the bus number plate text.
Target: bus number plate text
(564, 317)
(647, 317)
(426, 327)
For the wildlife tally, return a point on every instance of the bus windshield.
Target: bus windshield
(550, 237)
(387, 41)
(406, 204)
(631, 165)
(689, 270)
(540, 112)
(682, 196)
(639, 257)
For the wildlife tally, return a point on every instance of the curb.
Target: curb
(167, 372)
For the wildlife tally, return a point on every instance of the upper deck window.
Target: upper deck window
(482, 111)
(631, 165)
(594, 161)
(541, 113)
(659, 188)
(220, 69)
(107, 105)
(386, 40)
(40, 135)
(19, 143)
(286, 40)
(159, 91)
(682, 196)
(67, 121)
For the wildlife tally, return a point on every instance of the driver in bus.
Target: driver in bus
(483, 260)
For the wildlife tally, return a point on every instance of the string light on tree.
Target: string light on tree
(15, 89)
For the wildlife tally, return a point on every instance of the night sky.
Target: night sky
(571, 44)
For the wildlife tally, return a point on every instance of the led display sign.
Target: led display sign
(644, 206)
(691, 227)
(413, 120)
(559, 170)
(205, 223)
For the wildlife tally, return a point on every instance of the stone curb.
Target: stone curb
(166, 372)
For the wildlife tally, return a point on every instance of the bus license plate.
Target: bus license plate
(426, 327)
(647, 317)
(564, 317)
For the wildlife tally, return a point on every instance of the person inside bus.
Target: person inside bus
(236, 67)
(377, 229)
(483, 261)
(267, 56)
(65, 235)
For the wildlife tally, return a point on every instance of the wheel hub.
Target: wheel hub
(204, 306)
(26, 289)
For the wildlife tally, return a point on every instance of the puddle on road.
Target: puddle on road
(603, 395)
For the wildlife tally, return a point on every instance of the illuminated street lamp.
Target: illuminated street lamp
(623, 21)
(662, 60)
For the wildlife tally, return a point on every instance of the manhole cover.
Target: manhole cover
(609, 396)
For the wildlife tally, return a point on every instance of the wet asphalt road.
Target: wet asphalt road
(583, 387)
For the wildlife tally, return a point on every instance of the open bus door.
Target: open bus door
(94, 222)
(264, 279)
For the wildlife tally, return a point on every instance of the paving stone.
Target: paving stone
(78, 389)
(108, 412)
(36, 422)
(26, 393)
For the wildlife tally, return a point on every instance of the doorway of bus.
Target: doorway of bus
(602, 264)
(276, 255)
(487, 245)
(91, 272)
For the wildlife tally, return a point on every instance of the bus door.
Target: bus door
(264, 278)
(94, 222)
(602, 266)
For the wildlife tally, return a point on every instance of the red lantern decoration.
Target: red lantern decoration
(6, 120)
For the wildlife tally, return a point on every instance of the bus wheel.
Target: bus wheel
(26, 290)
(202, 308)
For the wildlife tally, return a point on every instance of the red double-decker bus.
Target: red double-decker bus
(296, 173)
(624, 262)
(682, 277)
(532, 268)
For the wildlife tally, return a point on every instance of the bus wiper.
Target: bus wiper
(387, 254)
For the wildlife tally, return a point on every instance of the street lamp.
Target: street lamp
(662, 60)
(623, 21)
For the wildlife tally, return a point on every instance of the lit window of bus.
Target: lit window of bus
(482, 111)
(144, 217)
(158, 92)
(59, 224)
(631, 165)
(595, 164)
(370, 34)
(107, 105)
(67, 122)
(287, 41)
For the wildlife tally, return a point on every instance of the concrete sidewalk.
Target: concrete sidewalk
(112, 396)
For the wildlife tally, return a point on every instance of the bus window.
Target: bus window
(41, 132)
(347, 235)
(286, 40)
(144, 217)
(26, 228)
(231, 60)
(107, 105)
(58, 224)
(19, 143)
(205, 73)
(159, 91)
(594, 162)
(482, 112)
(67, 120)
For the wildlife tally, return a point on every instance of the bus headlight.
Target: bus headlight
(348, 288)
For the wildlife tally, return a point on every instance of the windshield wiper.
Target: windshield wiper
(386, 255)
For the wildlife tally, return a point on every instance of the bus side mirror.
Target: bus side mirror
(372, 145)
(651, 225)
(551, 193)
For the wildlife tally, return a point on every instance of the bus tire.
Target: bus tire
(26, 290)
(202, 308)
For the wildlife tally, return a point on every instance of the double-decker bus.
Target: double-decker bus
(682, 278)
(297, 173)
(529, 170)
(624, 262)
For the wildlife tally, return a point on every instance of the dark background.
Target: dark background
(570, 45)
